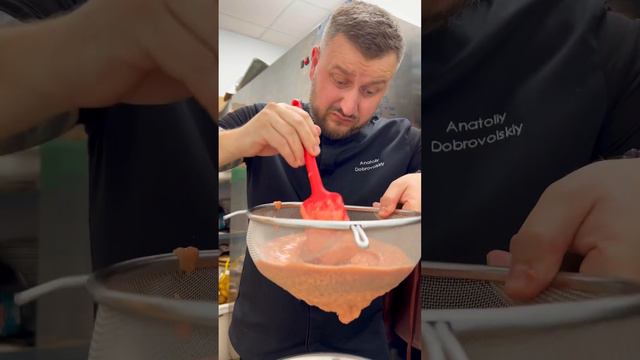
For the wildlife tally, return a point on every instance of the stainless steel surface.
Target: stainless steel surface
(366, 217)
(285, 80)
(468, 303)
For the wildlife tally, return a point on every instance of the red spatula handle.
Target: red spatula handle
(314, 173)
(310, 163)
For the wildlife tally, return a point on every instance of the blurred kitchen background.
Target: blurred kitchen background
(264, 56)
(44, 235)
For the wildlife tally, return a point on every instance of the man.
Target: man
(350, 72)
(151, 167)
(521, 97)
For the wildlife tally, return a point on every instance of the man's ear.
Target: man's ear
(315, 57)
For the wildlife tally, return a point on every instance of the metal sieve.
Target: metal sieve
(466, 315)
(149, 309)
(338, 266)
(270, 221)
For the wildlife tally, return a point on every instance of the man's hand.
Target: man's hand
(405, 190)
(277, 129)
(108, 52)
(593, 212)
(145, 51)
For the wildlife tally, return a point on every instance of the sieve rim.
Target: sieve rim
(535, 315)
(624, 300)
(575, 281)
(192, 311)
(411, 217)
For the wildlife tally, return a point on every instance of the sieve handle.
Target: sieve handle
(431, 343)
(440, 343)
(362, 240)
(230, 215)
(37, 291)
(450, 343)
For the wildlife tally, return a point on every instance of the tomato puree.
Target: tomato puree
(342, 278)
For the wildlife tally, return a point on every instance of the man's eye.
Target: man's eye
(371, 92)
(340, 82)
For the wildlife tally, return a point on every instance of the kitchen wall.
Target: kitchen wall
(236, 51)
(235, 55)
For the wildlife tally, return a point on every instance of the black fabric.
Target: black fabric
(559, 81)
(25, 10)
(152, 180)
(269, 323)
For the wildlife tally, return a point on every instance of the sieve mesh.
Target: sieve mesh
(119, 335)
(459, 286)
(321, 263)
(151, 281)
(142, 307)
(449, 293)
(452, 293)
(269, 222)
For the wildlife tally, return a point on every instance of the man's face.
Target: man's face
(346, 88)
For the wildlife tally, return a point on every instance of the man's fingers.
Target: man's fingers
(538, 248)
(184, 56)
(313, 143)
(617, 260)
(289, 134)
(411, 205)
(157, 88)
(389, 201)
(195, 15)
(499, 258)
(281, 145)
(303, 129)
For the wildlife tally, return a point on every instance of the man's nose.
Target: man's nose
(349, 103)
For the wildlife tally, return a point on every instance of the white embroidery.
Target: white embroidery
(369, 165)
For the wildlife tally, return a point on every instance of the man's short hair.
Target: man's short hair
(370, 28)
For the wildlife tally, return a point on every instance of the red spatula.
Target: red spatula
(322, 204)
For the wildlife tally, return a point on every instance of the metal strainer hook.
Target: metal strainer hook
(230, 215)
(361, 238)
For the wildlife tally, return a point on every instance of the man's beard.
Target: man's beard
(321, 119)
